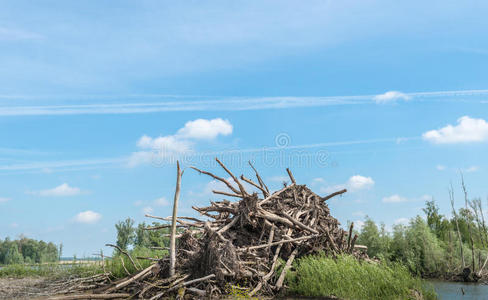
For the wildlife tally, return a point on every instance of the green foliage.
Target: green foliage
(428, 247)
(347, 278)
(125, 233)
(418, 248)
(436, 222)
(238, 292)
(25, 250)
(376, 239)
(116, 266)
(151, 238)
(52, 270)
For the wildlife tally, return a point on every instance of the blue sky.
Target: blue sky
(387, 99)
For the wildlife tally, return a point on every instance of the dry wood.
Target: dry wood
(217, 178)
(241, 187)
(125, 253)
(236, 243)
(92, 296)
(291, 176)
(260, 180)
(451, 197)
(281, 279)
(172, 245)
(349, 237)
(334, 194)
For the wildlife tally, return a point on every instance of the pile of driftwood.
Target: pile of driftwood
(237, 244)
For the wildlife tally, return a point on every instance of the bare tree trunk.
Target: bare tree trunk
(172, 245)
(467, 221)
(451, 196)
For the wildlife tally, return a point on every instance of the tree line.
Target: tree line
(28, 251)
(141, 236)
(436, 245)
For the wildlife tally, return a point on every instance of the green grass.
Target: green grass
(53, 270)
(116, 267)
(347, 278)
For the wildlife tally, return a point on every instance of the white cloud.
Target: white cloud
(3, 199)
(471, 169)
(87, 217)
(403, 221)
(147, 210)
(168, 143)
(440, 167)
(205, 129)
(391, 96)
(354, 183)
(161, 202)
(468, 130)
(63, 190)
(358, 182)
(159, 149)
(394, 199)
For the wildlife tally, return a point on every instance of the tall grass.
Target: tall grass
(347, 278)
(52, 270)
(114, 266)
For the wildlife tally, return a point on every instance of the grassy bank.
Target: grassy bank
(53, 270)
(315, 276)
(347, 278)
(119, 266)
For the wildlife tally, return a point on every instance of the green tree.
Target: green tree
(142, 236)
(436, 222)
(60, 252)
(125, 233)
(13, 255)
(377, 240)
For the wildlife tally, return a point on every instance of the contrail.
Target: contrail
(189, 103)
(70, 165)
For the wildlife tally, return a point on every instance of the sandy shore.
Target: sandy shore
(23, 288)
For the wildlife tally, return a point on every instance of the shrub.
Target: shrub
(345, 277)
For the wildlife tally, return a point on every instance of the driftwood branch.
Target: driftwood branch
(172, 246)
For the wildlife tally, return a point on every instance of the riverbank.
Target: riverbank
(24, 288)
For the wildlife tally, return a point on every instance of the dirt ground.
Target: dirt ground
(23, 288)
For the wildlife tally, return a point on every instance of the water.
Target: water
(452, 290)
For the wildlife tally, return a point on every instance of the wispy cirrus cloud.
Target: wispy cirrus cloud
(13, 34)
(4, 199)
(172, 103)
